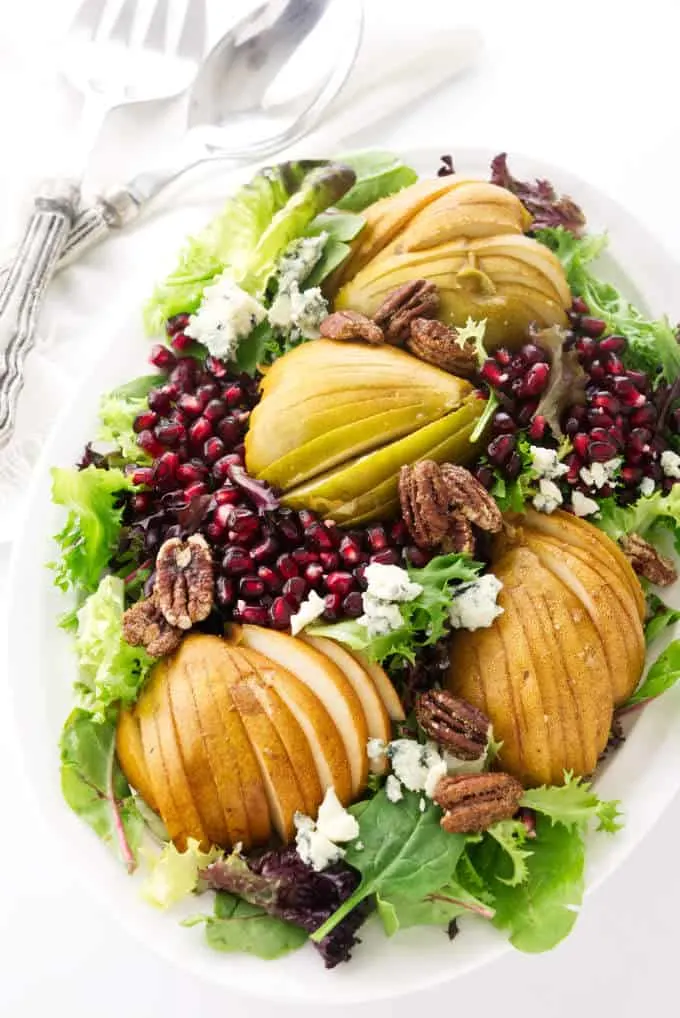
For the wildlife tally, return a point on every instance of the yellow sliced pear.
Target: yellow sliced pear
(130, 752)
(327, 682)
(384, 686)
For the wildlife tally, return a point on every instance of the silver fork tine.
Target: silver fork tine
(193, 37)
(109, 18)
(122, 29)
(88, 16)
(143, 16)
(158, 27)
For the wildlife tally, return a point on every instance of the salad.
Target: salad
(364, 576)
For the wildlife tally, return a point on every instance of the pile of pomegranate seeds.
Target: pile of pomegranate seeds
(268, 558)
(621, 417)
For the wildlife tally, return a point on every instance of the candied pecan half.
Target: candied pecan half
(436, 343)
(351, 325)
(144, 625)
(184, 580)
(440, 502)
(417, 299)
(473, 802)
(647, 561)
(453, 723)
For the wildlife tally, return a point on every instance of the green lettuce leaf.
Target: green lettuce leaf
(426, 617)
(405, 854)
(174, 874)
(251, 232)
(574, 805)
(436, 909)
(238, 926)
(90, 535)
(652, 344)
(341, 227)
(659, 617)
(662, 675)
(110, 670)
(117, 412)
(378, 174)
(94, 786)
(511, 835)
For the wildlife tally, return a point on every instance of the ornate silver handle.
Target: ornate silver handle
(23, 288)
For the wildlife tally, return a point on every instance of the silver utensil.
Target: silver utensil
(231, 116)
(115, 52)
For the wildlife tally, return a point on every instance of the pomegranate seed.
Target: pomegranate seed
(183, 375)
(597, 371)
(580, 443)
(190, 404)
(350, 551)
(265, 550)
(600, 452)
(207, 392)
(165, 468)
(213, 449)
(287, 566)
(330, 560)
(215, 410)
(377, 538)
(535, 380)
(229, 431)
(503, 356)
(389, 557)
(141, 502)
(251, 614)
(513, 465)
(214, 532)
(492, 374)
(613, 365)
(221, 468)
(574, 463)
(187, 473)
(144, 421)
(280, 613)
(314, 574)
(571, 426)
(639, 439)
(307, 518)
(169, 432)
(333, 609)
(604, 400)
(195, 490)
(485, 476)
(526, 413)
(532, 354)
(353, 606)
(339, 583)
(237, 561)
(599, 418)
(320, 537)
(579, 305)
(639, 380)
(295, 591)
(159, 399)
(176, 323)
(270, 578)
(233, 395)
(599, 435)
(634, 455)
(503, 424)
(500, 449)
(200, 431)
(251, 586)
(181, 341)
(244, 524)
(289, 530)
(360, 575)
(536, 428)
(646, 416)
(303, 557)
(225, 588)
(227, 495)
(587, 347)
(417, 557)
(142, 475)
(631, 475)
(399, 533)
(216, 367)
(613, 344)
(592, 326)
(147, 441)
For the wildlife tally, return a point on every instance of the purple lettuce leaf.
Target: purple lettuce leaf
(540, 198)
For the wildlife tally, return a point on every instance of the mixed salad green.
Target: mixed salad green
(281, 236)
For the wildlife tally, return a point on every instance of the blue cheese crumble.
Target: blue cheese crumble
(474, 605)
(388, 586)
(227, 314)
(317, 841)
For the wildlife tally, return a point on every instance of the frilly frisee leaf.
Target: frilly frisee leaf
(574, 804)
(511, 835)
(117, 412)
(645, 517)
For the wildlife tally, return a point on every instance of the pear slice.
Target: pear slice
(377, 719)
(281, 787)
(327, 682)
(384, 686)
(289, 730)
(530, 251)
(130, 752)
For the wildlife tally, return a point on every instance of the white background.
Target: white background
(592, 86)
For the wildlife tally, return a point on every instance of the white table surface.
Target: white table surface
(593, 86)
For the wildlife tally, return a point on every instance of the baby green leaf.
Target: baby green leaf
(573, 804)
(239, 926)
(663, 674)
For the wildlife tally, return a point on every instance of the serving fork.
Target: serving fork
(116, 52)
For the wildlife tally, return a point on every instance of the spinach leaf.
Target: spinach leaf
(659, 617)
(663, 674)
(239, 926)
(378, 174)
(94, 786)
(405, 853)
(435, 909)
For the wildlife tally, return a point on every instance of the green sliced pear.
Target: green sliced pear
(374, 477)
(504, 270)
(367, 290)
(526, 249)
(449, 219)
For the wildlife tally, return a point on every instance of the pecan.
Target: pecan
(647, 561)
(351, 325)
(417, 299)
(453, 723)
(473, 802)
(144, 625)
(184, 580)
(436, 343)
(439, 503)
